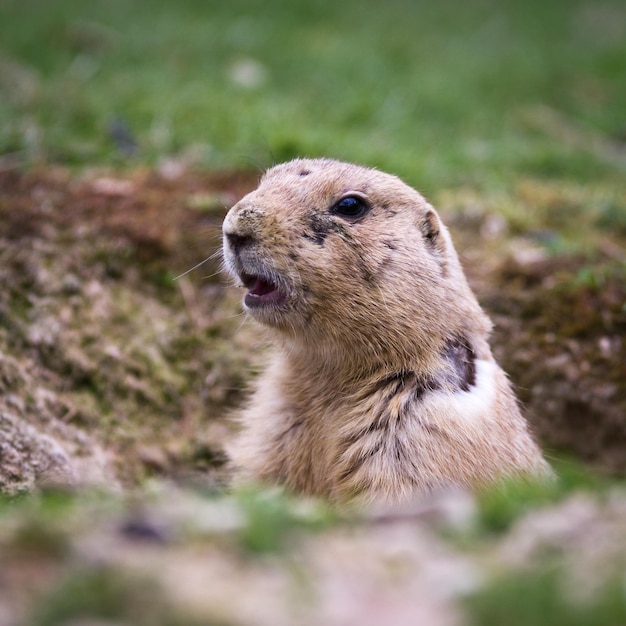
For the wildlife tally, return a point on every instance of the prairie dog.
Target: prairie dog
(381, 384)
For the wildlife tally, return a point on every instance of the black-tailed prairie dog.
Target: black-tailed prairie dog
(381, 384)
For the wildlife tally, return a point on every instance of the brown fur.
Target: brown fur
(382, 383)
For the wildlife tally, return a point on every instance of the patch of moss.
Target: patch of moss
(500, 505)
(37, 538)
(108, 594)
(272, 518)
(538, 598)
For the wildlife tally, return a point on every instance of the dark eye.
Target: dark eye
(350, 206)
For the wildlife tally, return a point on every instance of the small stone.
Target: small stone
(604, 344)
(248, 73)
(153, 457)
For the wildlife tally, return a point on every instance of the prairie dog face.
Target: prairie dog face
(330, 251)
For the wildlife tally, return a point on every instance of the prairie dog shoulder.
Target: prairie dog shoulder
(382, 383)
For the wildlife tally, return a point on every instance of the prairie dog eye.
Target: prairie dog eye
(350, 206)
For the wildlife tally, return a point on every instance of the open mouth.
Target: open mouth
(261, 291)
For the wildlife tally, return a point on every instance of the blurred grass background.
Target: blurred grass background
(445, 94)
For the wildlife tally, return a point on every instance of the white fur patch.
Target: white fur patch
(466, 408)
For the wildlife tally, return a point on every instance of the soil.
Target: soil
(111, 370)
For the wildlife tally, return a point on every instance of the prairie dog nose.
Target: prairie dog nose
(239, 227)
(245, 212)
(238, 241)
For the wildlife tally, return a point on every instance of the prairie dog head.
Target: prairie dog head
(338, 257)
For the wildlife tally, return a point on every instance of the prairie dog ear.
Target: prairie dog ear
(431, 231)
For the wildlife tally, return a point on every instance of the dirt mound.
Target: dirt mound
(109, 369)
(561, 335)
(112, 371)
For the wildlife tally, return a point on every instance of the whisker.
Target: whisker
(196, 266)
(243, 321)
(208, 276)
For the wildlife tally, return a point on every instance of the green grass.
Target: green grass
(272, 519)
(444, 93)
(540, 598)
(107, 595)
(500, 505)
(542, 593)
